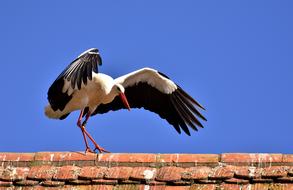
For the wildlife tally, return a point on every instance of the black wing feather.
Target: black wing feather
(77, 72)
(177, 108)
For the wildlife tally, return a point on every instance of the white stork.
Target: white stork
(81, 87)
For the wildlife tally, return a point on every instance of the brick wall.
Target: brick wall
(67, 170)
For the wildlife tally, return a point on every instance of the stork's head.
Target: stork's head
(119, 89)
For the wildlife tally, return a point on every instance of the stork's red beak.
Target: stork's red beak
(124, 100)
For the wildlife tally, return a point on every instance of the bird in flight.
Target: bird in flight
(82, 87)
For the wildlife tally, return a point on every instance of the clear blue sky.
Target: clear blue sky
(234, 57)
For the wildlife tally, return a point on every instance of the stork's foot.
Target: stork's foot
(88, 149)
(100, 149)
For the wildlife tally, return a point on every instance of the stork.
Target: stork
(82, 87)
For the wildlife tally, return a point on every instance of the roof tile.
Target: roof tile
(169, 173)
(200, 172)
(221, 173)
(143, 173)
(120, 173)
(11, 173)
(42, 172)
(274, 172)
(247, 172)
(92, 172)
(67, 173)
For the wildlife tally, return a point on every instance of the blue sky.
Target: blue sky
(234, 57)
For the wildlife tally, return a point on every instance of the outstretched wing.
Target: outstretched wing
(154, 91)
(72, 78)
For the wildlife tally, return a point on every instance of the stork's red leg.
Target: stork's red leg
(100, 149)
(83, 132)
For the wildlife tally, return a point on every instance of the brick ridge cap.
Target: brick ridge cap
(146, 157)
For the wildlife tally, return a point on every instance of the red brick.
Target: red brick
(67, 173)
(92, 172)
(221, 173)
(27, 183)
(42, 172)
(247, 172)
(16, 156)
(137, 158)
(262, 159)
(64, 156)
(169, 174)
(14, 174)
(203, 187)
(196, 173)
(143, 173)
(120, 173)
(49, 183)
(274, 172)
(188, 158)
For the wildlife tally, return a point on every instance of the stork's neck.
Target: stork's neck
(107, 86)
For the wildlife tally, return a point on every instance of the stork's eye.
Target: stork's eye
(119, 90)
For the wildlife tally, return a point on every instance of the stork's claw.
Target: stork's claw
(88, 149)
(101, 150)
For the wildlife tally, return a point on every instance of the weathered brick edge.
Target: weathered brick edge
(143, 159)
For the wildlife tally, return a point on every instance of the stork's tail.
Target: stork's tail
(49, 112)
